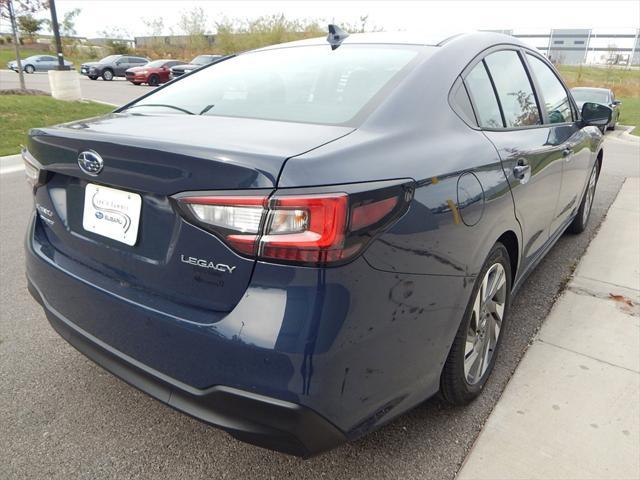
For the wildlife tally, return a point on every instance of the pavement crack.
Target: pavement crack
(589, 356)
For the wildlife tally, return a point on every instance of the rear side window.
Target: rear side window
(514, 89)
(483, 97)
(461, 103)
(556, 100)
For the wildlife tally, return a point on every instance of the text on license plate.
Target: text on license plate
(112, 213)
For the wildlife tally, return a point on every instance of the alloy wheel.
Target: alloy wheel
(485, 324)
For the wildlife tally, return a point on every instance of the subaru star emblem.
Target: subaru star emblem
(90, 162)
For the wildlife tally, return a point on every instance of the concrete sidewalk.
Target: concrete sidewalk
(11, 163)
(572, 408)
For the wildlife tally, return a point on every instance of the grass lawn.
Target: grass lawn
(630, 114)
(19, 113)
(624, 83)
(8, 54)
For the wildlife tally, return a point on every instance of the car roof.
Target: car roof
(432, 39)
(592, 89)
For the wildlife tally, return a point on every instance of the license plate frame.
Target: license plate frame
(112, 213)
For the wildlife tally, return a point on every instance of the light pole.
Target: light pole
(56, 34)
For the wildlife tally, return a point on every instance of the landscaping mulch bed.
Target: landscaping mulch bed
(28, 91)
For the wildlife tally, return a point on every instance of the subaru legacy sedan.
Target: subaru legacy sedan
(302, 242)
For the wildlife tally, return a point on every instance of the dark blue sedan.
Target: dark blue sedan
(302, 242)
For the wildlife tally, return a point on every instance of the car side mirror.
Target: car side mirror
(595, 114)
(617, 102)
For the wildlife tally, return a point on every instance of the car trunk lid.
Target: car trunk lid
(155, 157)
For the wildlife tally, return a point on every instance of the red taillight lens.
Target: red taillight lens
(313, 229)
(308, 229)
(370, 213)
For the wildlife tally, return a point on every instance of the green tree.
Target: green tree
(116, 40)
(67, 26)
(193, 23)
(29, 25)
(235, 36)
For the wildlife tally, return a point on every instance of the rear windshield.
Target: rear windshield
(203, 59)
(157, 63)
(594, 96)
(109, 58)
(301, 84)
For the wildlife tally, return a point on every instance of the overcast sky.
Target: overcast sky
(431, 16)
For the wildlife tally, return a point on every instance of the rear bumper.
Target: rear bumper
(304, 361)
(263, 421)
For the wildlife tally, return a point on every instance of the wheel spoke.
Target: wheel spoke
(476, 367)
(483, 289)
(469, 344)
(494, 330)
(498, 312)
(477, 307)
(484, 354)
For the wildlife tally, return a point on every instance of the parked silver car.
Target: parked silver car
(38, 63)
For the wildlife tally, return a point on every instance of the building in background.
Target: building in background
(584, 45)
(173, 41)
(569, 46)
(635, 54)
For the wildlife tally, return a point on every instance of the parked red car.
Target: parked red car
(154, 73)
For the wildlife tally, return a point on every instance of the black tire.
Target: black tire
(107, 75)
(579, 223)
(603, 129)
(454, 386)
(154, 81)
(137, 84)
(29, 69)
(91, 77)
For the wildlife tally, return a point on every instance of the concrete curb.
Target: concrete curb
(570, 410)
(624, 134)
(11, 164)
(100, 101)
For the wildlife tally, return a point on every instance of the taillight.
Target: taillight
(317, 228)
(237, 219)
(34, 172)
(306, 228)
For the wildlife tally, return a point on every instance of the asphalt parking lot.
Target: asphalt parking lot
(117, 92)
(64, 417)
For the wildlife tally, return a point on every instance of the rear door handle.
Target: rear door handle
(567, 153)
(522, 171)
